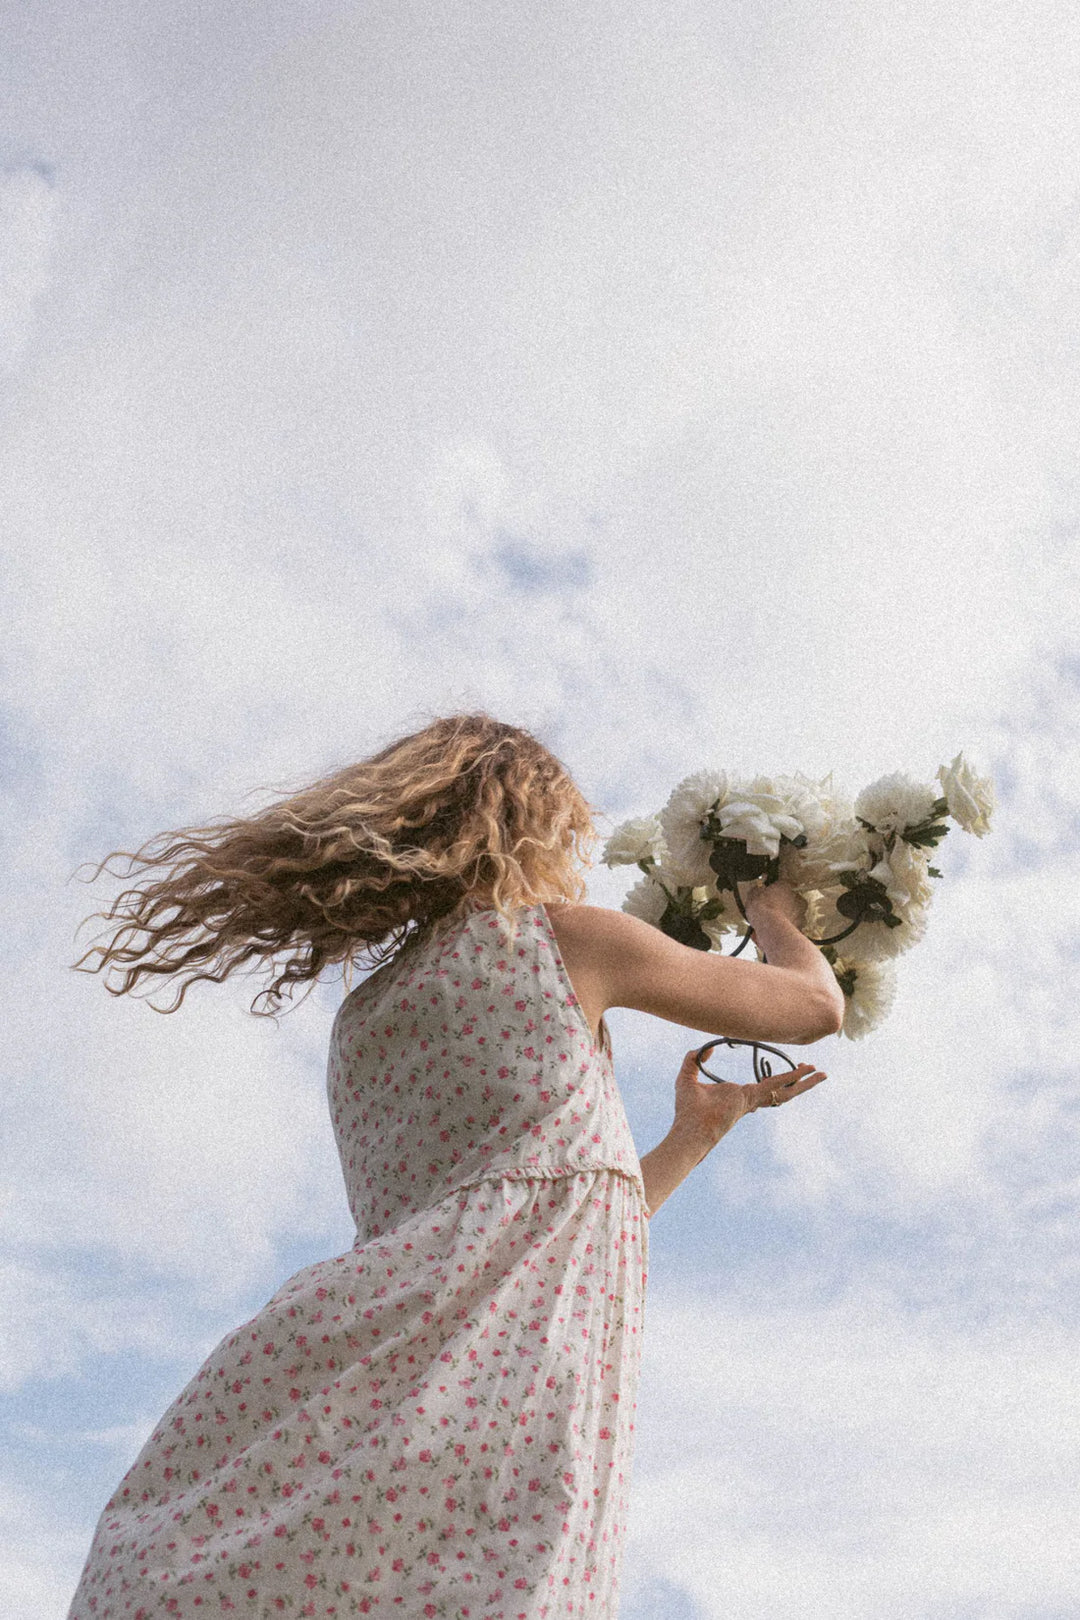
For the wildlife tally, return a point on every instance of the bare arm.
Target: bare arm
(616, 960)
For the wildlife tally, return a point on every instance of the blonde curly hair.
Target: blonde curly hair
(367, 861)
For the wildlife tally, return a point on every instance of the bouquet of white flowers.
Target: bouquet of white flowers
(863, 868)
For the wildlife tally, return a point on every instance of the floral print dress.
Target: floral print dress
(440, 1422)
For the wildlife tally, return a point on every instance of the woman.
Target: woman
(439, 1422)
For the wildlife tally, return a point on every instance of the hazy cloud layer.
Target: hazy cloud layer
(856, 1460)
(697, 386)
(27, 209)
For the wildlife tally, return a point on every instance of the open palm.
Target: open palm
(712, 1107)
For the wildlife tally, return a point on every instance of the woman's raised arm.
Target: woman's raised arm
(615, 960)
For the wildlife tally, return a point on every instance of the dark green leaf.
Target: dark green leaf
(926, 836)
(678, 926)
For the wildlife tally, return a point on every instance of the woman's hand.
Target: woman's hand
(705, 1110)
(709, 1108)
(779, 899)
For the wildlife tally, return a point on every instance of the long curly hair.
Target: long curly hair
(366, 862)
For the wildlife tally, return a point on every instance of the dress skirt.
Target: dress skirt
(437, 1424)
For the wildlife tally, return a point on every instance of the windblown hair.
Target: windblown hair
(366, 862)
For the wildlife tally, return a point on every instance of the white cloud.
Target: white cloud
(53, 1321)
(191, 1143)
(741, 380)
(27, 226)
(40, 1557)
(853, 1460)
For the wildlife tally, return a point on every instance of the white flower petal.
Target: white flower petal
(636, 840)
(868, 1002)
(970, 797)
(895, 802)
(680, 820)
(646, 900)
(907, 877)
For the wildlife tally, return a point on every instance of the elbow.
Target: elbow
(829, 1015)
(825, 1017)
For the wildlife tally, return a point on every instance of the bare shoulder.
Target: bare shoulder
(597, 927)
(614, 950)
(594, 943)
(601, 947)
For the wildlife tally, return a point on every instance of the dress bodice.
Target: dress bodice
(468, 1060)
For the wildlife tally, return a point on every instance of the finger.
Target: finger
(790, 1077)
(795, 1081)
(797, 1087)
(790, 1081)
(759, 1093)
(805, 1085)
(690, 1079)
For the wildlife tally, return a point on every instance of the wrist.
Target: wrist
(767, 921)
(692, 1138)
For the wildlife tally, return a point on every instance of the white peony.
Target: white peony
(641, 839)
(801, 799)
(830, 800)
(851, 849)
(816, 866)
(905, 872)
(646, 900)
(970, 798)
(893, 803)
(837, 810)
(869, 990)
(827, 834)
(681, 819)
(766, 809)
(841, 840)
(759, 829)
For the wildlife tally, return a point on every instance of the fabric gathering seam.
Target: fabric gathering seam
(550, 1172)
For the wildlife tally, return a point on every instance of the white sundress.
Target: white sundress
(440, 1422)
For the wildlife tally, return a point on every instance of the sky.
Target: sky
(697, 386)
